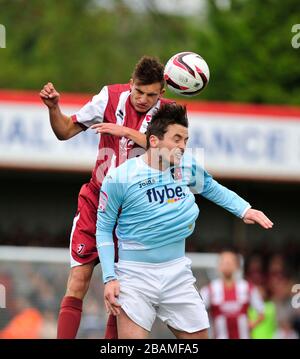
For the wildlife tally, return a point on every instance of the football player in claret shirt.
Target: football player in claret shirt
(120, 113)
(228, 299)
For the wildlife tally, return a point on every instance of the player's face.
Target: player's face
(228, 264)
(143, 97)
(172, 146)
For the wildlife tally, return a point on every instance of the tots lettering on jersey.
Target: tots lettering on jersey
(147, 182)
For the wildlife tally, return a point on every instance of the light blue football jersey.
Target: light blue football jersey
(155, 210)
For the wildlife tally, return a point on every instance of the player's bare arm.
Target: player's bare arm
(121, 131)
(62, 125)
(111, 293)
(254, 216)
(253, 324)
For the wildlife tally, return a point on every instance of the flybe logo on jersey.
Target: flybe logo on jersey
(170, 195)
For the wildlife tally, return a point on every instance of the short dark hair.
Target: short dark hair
(232, 250)
(229, 249)
(168, 114)
(149, 70)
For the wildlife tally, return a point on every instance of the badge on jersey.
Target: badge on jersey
(176, 173)
(80, 248)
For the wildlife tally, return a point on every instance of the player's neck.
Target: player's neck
(228, 282)
(155, 161)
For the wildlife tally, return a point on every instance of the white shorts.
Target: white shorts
(166, 290)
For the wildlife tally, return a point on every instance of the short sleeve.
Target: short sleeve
(93, 111)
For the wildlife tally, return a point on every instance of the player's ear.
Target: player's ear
(163, 90)
(153, 141)
(131, 84)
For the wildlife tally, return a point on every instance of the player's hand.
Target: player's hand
(254, 216)
(110, 129)
(251, 326)
(111, 293)
(49, 95)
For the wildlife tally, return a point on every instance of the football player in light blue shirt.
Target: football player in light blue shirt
(151, 199)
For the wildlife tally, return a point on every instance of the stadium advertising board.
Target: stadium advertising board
(239, 142)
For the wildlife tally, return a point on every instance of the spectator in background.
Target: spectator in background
(267, 328)
(255, 271)
(228, 299)
(27, 323)
(285, 327)
(280, 283)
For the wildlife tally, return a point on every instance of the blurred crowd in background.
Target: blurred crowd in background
(33, 295)
(34, 292)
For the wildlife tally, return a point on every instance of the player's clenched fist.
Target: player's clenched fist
(49, 95)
